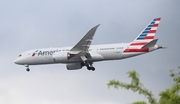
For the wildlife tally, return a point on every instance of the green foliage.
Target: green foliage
(135, 86)
(169, 96)
(139, 102)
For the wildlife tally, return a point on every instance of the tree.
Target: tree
(169, 96)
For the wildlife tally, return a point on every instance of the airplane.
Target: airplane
(85, 54)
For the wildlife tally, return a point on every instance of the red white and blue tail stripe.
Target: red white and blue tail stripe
(145, 36)
(149, 32)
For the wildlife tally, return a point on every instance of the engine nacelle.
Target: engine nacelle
(74, 66)
(60, 56)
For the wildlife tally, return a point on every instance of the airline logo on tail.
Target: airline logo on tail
(146, 36)
(150, 31)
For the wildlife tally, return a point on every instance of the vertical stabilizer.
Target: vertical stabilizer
(147, 35)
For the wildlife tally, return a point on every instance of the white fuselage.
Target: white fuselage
(84, 54)
(59, 54)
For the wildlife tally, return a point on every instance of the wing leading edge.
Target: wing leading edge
(81, 48)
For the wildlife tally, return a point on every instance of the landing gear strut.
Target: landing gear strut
(87, 64)
(27, 68)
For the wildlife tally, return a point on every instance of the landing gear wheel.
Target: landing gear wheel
(92, 68)
(89, 68)
(27, 69)
(88, 65)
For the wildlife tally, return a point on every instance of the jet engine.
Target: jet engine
(74, 66)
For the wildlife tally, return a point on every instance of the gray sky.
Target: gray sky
(32, 24)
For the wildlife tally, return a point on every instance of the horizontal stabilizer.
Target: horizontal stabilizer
(150, 44)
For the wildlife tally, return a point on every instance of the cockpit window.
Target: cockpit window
(20, 55)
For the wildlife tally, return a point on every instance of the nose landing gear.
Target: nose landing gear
(27, 68)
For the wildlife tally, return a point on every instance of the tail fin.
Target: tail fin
(147, 34)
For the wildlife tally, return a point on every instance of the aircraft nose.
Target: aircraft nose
(17, 61)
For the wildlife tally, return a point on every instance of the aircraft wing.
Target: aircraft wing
(81, 48)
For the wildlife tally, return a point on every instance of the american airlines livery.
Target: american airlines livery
(85, 54)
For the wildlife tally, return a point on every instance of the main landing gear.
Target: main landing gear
(86, 63)
(89, 66)
(27, 68)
